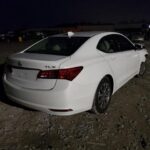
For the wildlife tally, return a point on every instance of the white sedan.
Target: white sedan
(74, 72)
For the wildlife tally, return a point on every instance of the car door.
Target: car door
(129, 57)
(121, 56)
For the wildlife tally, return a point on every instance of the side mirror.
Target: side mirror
(139, 46)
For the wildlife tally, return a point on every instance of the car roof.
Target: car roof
(83, 34)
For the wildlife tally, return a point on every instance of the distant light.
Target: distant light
(149, 26)
(70, 34)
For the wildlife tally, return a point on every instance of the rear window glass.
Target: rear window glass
(57, 46)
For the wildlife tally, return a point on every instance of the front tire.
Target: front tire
(102, 96)
(142, 69)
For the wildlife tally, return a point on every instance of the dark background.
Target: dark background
(15, 14)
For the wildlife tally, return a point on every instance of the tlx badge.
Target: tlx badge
(49, 67)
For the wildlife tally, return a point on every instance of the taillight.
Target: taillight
(66, 74)
(48, 74)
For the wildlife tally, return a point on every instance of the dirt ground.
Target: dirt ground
(125, 125)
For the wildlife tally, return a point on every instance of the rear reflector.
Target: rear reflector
(61, 110)
(66, 74)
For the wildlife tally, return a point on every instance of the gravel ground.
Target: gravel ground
(125, 125)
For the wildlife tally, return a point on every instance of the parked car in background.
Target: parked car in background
(74, 72)
(9, 36)
(2, 37)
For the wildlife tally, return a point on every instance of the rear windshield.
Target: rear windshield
(64, 46)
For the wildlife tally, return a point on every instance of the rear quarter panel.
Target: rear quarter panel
(86, 83)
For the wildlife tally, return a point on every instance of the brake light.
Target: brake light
(66, 74)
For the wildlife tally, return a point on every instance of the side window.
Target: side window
(123, 44)
(107, 44)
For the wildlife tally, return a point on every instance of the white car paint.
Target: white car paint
(54, 96)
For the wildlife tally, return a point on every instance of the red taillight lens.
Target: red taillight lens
(48, 74)
(69, 74)
(66, 74)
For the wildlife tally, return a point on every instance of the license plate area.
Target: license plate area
(22, 73)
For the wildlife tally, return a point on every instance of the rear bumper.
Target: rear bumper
(62, 100)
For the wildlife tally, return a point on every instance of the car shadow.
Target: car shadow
(3, 97)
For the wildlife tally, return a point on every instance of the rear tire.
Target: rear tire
(102, 96)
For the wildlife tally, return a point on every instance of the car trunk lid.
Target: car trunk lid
(23, 68)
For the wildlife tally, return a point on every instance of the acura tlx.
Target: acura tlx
(68, 73)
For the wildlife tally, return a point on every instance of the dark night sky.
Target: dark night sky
(36, 13)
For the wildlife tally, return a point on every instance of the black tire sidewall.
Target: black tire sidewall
(143, 64)
(96, 109)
